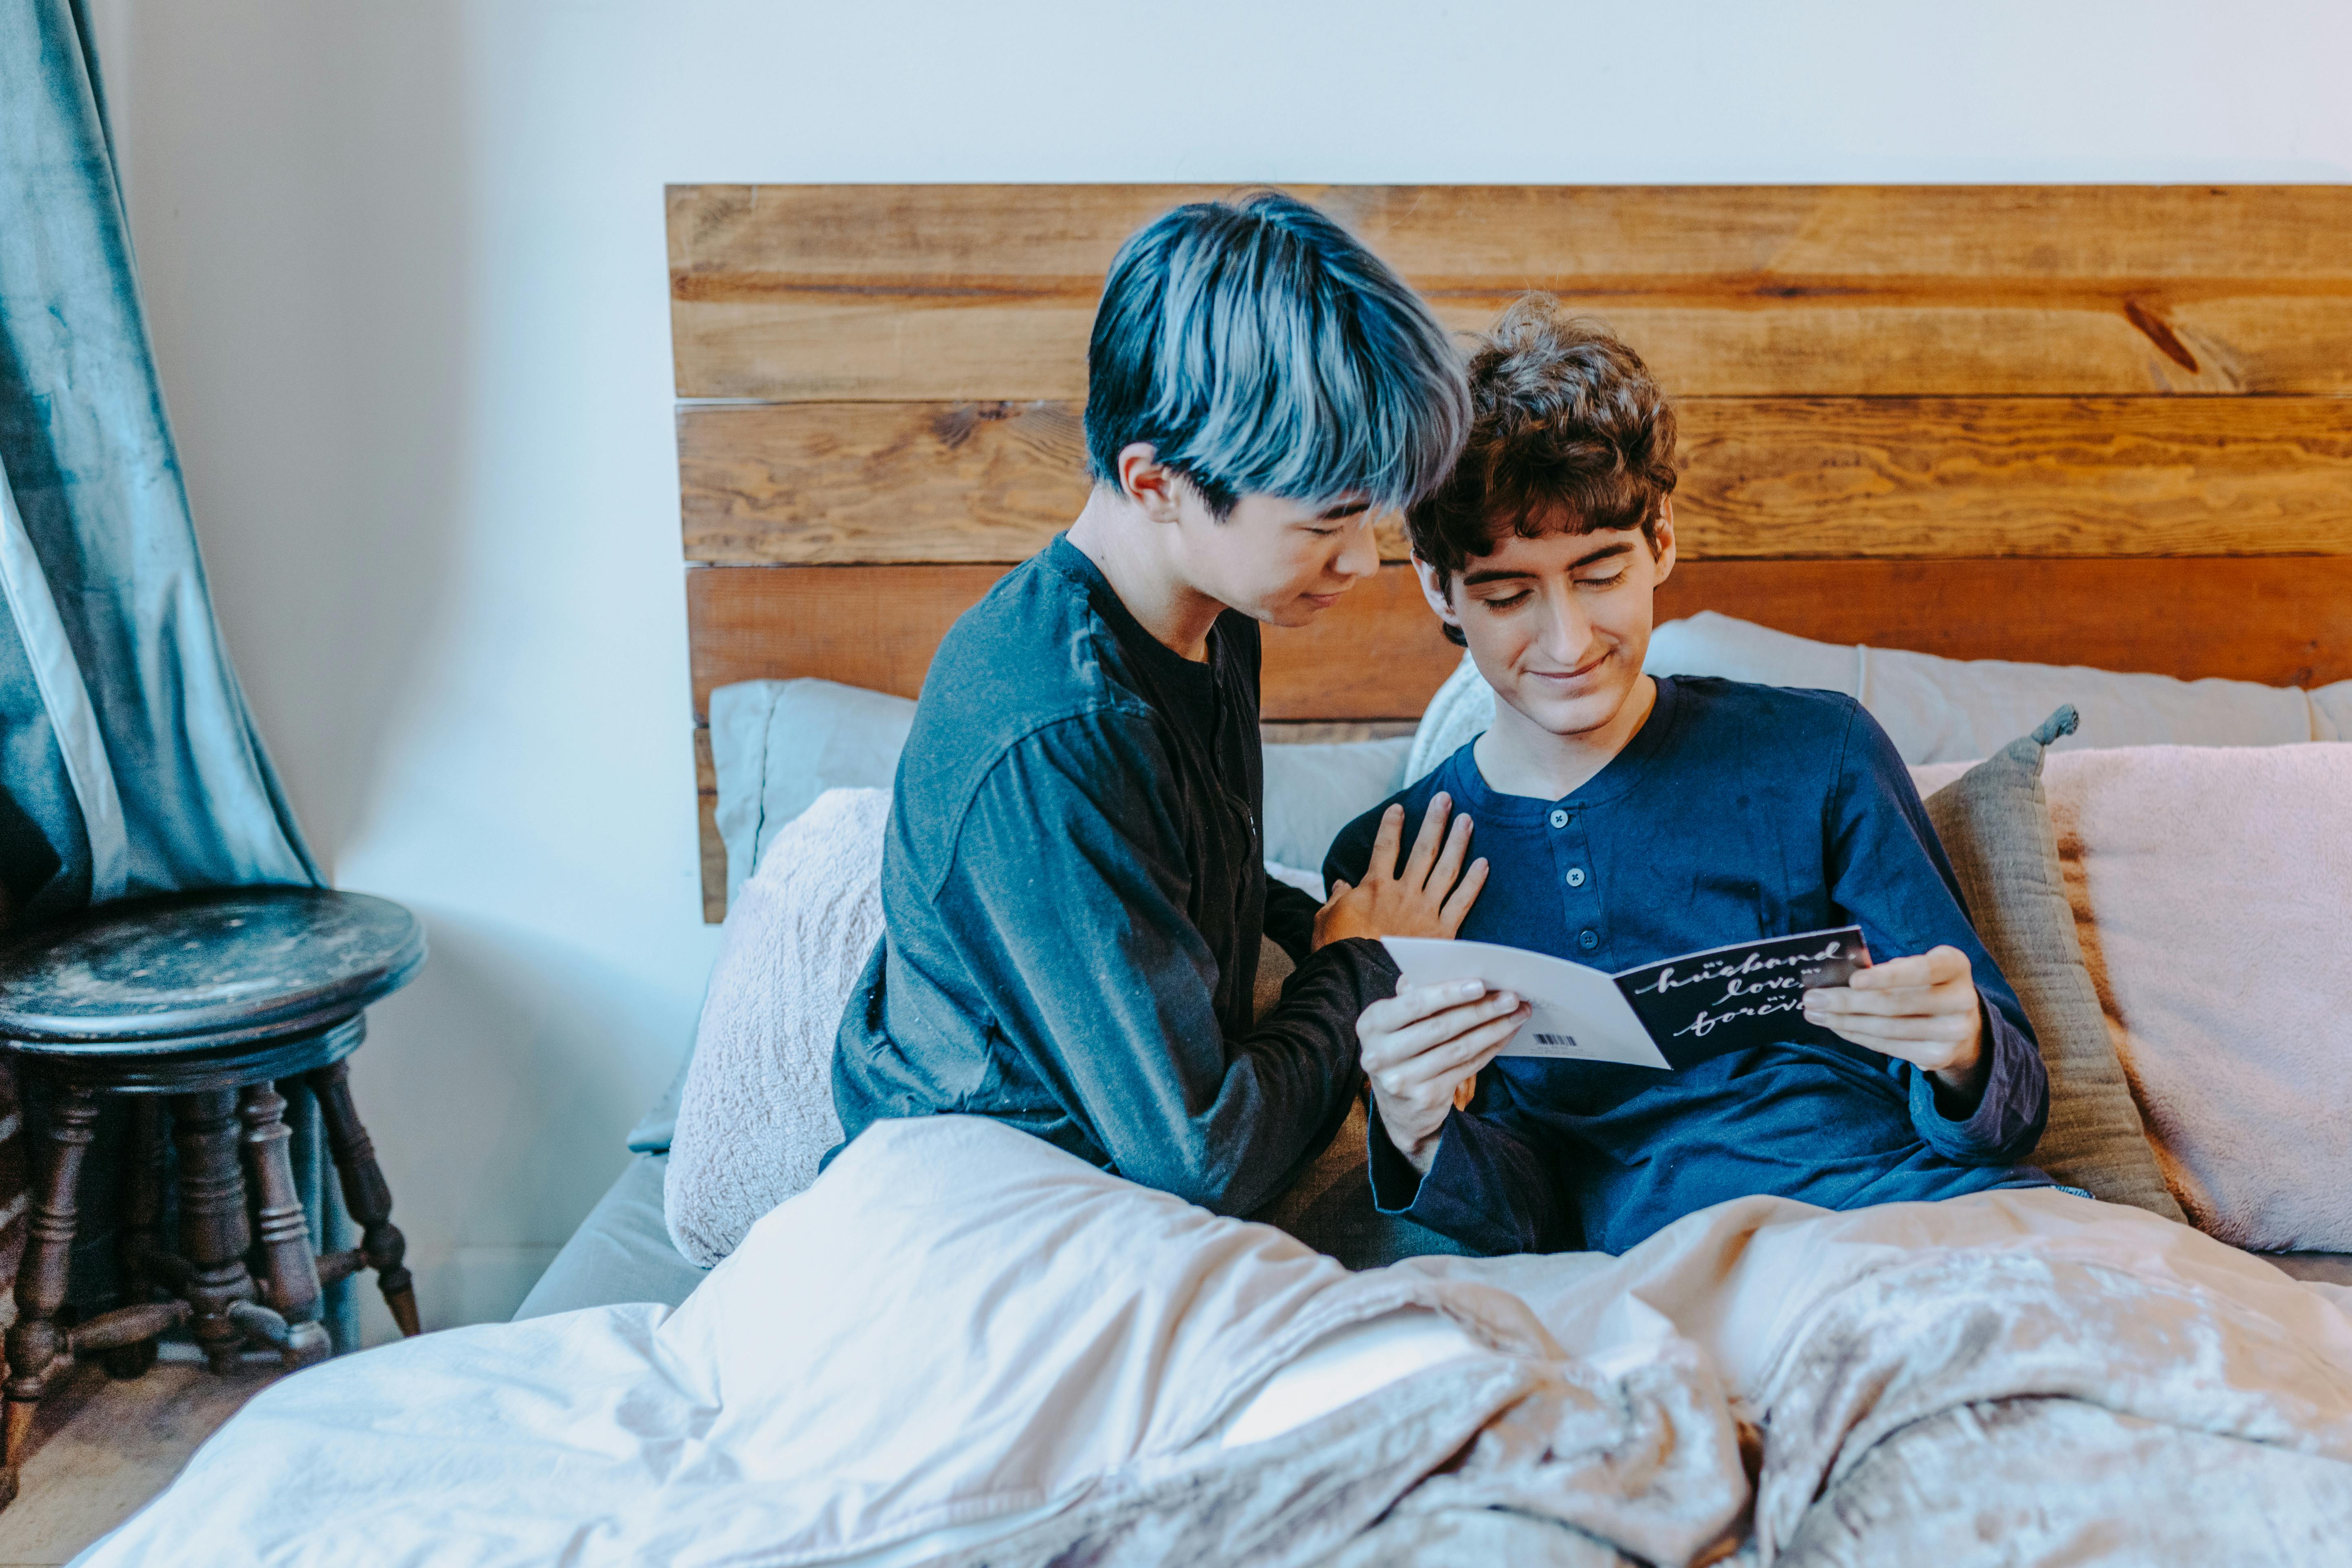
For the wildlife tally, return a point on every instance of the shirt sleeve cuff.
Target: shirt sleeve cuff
(1377, 958)
(1396, 1185)
(1452, 1199)
(2011, 1085)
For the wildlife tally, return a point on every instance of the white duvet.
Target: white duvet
(963, 1345)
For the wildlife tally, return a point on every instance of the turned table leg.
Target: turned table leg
(365, 1193)
(290, 1268)
(214, 1235)
(34, 1341)
(143, 1228)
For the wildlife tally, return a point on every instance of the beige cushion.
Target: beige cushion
(2213, 893)
(1995, 825)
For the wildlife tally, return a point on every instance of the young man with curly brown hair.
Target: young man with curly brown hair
(1627, 818)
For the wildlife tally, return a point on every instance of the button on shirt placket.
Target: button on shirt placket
(1579, 890)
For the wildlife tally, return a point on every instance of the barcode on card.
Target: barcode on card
(1558, 1042)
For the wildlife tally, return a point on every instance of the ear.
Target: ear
(1434, 590)
(1664, 534)
(1145, 482)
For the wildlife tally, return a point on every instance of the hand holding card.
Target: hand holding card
(1423, 1047)
(1924, 1009)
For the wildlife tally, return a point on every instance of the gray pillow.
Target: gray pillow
(776, 745)
(1994, 821)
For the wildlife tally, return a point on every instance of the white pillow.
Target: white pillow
(1458, 714)
(1947, 710)
(1944, 710)
(1307, 882)
(1709, 644)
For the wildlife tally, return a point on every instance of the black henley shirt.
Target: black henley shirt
(1074, 893)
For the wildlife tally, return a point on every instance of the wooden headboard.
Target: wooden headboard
(2102, 424)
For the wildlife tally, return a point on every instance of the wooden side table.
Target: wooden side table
(206, 1007)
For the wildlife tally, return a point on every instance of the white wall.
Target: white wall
(404, 266)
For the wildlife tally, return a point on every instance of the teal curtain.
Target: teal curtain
(129, 763)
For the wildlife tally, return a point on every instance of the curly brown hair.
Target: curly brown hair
(1569, 432)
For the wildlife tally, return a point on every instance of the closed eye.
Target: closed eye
(1609, 582)
(1506, 601)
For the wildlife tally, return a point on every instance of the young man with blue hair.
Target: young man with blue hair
(1073, 881)
(1631, 818)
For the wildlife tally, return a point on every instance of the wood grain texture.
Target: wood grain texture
(711, 847)
(102, 1448)
(875, 626)
(1377, 654)
(820, 483)
(2281, 620)
(16, 1190)
(971, 292)
(865, 482)
(2284, 620)
(1327, 732)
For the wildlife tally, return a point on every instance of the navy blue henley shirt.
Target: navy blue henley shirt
(1737, 813)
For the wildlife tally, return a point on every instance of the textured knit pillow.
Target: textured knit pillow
(1994, 821)
(757, 1112)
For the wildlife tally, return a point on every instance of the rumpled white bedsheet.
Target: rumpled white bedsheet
(959, 1325)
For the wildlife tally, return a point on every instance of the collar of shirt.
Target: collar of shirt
(1195, 683)
(1625, 773)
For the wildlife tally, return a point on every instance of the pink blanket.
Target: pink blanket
(2212, 890)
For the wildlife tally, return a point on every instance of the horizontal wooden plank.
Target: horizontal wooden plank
(1327, 732)
(980, 293)
(713, 848)
(1994, 476)
(1764, 477)
(1377, 654)
(2282, 620)
(828, 483)
(2286, 620)
(1827, 340)
(839, 483)
(875, 626)
(1035, 235)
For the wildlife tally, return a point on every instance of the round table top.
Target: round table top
(231, 964)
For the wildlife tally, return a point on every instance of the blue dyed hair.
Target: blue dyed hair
(1261, 350)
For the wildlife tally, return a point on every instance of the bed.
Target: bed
(2040, 424)
(1971, 422)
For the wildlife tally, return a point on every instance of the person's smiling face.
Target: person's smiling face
(1558, 625)
(1278, 561)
